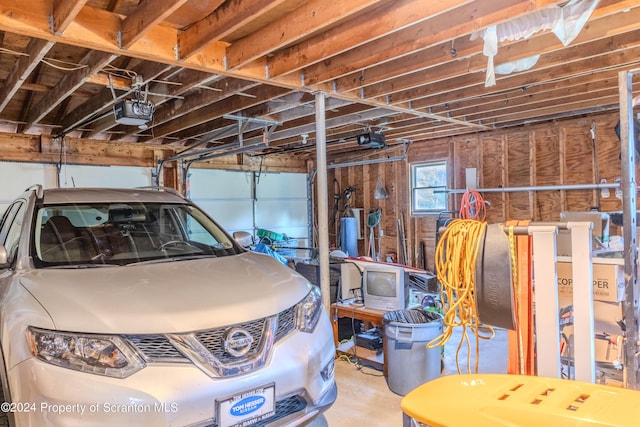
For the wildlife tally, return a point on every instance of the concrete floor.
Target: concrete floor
(364, 397)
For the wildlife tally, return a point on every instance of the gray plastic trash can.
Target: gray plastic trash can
(409, 362)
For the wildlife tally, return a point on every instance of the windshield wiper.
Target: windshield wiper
(79, 266)
(173, 259)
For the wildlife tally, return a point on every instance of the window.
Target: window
(428, 182)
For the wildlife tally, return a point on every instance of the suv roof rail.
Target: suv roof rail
(38, 190)
(157, 188)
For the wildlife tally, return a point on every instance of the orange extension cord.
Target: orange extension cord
(455, 262)
(472, 206)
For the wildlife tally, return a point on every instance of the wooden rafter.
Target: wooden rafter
(93, 62)
(293, 27)
(25, 64)
(217, 109)
(215, 92)
(104, 99)
(438, 67)
(215, 27)
(412, 61)
(64, 12)
(411, 40)
(26, 105)
(349, 35)
(147, 15)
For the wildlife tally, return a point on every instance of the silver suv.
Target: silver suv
(132, 307)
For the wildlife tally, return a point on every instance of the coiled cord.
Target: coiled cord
(472, 206)
(455, 260)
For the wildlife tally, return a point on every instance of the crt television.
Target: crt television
(385, 287)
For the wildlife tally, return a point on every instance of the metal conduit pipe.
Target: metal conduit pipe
(535, 188)
(524, 230)
(366, 162)
(323, 199)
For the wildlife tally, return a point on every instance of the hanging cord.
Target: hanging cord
(337, 195)
(455, 259)
(472, 206)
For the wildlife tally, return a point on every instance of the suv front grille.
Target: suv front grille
(155, 348)
(286, 322)
(158, 348)
(212, 340)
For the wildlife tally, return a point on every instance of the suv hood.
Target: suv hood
(179, 296)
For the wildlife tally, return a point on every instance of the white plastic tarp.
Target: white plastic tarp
(565, 22)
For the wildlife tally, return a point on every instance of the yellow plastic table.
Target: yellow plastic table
(495, 400)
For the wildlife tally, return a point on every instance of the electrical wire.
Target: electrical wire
(352, 357)
(51, 62)
(472, 206)
(455, 260)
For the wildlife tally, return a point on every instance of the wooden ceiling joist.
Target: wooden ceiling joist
(412, 61)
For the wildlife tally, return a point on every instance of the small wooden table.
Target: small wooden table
(367, 315)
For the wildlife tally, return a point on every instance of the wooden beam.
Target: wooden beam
(562, 66)
(104, 79)
(22, 68)
(402, 45)
(185, 79)
(225, 19)
(28, 101)
(96, 29)
(312, 16)
(64, 12)
(433, 61)
(309, 125)
(273, 107)
(93, 62)
(218, 109)
(349, 35)
(220, 90)
(493, 105)
(104, 99)
(148, 14)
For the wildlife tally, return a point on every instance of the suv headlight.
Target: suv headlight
(308, 311)
(97, 354)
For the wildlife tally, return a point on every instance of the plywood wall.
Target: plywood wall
(577, 151)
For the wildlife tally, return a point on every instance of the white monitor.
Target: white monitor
(350, 281)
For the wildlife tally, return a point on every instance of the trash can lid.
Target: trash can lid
(410, 316)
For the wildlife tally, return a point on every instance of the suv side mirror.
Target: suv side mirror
(4, 263)
(243, 238)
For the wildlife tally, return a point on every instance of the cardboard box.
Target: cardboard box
(600, 222)
(608, 279)
(600, 230)
(605, 316)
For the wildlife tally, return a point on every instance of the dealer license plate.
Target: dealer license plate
(247, 408)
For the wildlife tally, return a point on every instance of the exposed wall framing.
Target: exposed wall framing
(558, 153)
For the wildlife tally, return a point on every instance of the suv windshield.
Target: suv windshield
(124, 233)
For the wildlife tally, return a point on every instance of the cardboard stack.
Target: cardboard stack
(608, 293)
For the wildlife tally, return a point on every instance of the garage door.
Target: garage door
(250, 201)
(16, 177)
(105, 176)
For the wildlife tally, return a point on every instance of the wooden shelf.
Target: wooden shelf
(376, 358)
(366, 315)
